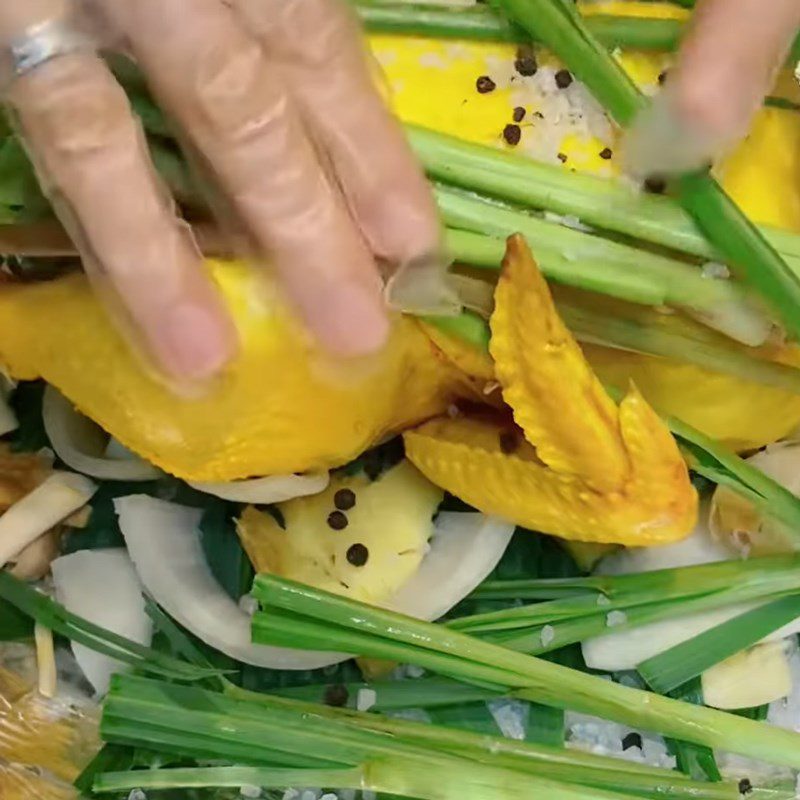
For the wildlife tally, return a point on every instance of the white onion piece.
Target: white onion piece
(114, 449)
(465, 548)
(273, 489)
(8, 419)
(102, 587)
(61, 494)
(82, 445)
(626, 649)
(164, 543)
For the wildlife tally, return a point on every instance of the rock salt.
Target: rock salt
(366, 699)
(547, 635)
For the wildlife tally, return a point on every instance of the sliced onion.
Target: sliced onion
(102, 586)
(164, 543)
(738, 524)
(465, 548)
(61, 494)
(626, 649)
(274, 489)
(82, 445)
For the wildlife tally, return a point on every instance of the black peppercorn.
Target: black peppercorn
(745, 786)
(512, 134)
(655, 185)
(337, 520)
(357, 554)
(606, 153)
(336, 695)
(562, 157)
(563, 78)
(485, 84)
(344, 499)
(519, 114)
(525, 62)
(632, 740)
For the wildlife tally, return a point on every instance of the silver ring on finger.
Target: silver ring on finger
(41, 43)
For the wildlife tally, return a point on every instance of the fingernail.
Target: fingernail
(350, 320)
(194, 343)
(421, 286)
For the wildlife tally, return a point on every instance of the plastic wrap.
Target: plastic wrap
(44, 743)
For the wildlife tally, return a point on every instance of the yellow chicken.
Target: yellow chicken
(570, 461)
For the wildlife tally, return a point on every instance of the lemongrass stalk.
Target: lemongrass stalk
(744, 580)
(606, 203)
(390, 695)
(561, 28)
(591, 262)
(481, 23)
(261, 732)
(723, 356)
(678, 665)
(687, 345)
(260, 729)
(46, 612)
(228, 777)
(381, 634)
(673, 582)
(534, 641)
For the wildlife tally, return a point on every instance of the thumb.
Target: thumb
(726, 65)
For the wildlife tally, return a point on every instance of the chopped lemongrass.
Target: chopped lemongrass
(560, 27)
(81, 444)
(298, 616)
(605, 203)
(748, 679)
(45, 661)
(591, 262)
(60, 495)
(679, 664)
(262, 729)
(52, 615)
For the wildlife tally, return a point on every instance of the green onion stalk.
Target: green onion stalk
(560, 26)
(340, 747)
(298, 616)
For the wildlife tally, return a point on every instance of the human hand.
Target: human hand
(274, 100)
(725, 67)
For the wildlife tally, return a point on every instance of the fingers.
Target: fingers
(725, 67)
(318, 46)
(236, 111)
(92, 161)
